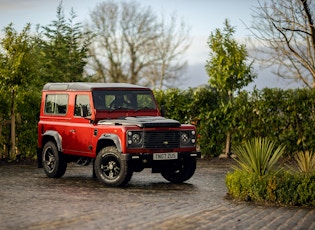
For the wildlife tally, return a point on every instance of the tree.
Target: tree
(18, 68)
(169, 51)
(128, 45)
(227, 69)
(64, 48)
(285, 31)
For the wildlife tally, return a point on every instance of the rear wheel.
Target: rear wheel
(54, 164)
(179, 171)
(110, 169)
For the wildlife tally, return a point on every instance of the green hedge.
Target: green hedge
(28, 105)
(283, 188)
(199, 107)
(285, 116)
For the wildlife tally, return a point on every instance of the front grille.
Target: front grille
(162, 139)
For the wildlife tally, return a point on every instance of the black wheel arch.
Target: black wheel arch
(49, 135)
(108, 140)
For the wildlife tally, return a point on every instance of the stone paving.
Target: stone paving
(30, 200)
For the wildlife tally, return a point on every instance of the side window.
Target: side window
(82, 103)
(56, 104)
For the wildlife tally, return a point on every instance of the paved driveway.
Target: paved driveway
(30, 200)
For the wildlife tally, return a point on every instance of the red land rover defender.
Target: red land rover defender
(116, 126)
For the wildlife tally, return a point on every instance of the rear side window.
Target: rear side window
(56, 104)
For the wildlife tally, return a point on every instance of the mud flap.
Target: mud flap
(39, 158)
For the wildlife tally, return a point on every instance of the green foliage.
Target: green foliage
(254, 177)
(244, 186)
(175, 103)
(228, 72)
(197, 106)
(4, 118)
(227, 68)
(17, 65)
(286, 117)
(283, 189)
(5, 104)
(27, 128)
(258, 156)
(18, 69)
(304, 163)
(64, 49)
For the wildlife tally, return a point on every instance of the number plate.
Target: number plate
(165, 156)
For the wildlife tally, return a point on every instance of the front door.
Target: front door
(80, 129)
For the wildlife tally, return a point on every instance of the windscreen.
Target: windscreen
(123, 99)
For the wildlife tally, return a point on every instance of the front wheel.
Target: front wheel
(179, 171)
(110, 169)
(54, 164)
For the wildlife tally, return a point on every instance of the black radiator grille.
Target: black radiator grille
(162, 139)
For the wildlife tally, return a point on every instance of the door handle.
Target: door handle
(72, 130)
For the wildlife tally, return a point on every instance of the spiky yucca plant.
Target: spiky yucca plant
(258, 156)
(304, 163)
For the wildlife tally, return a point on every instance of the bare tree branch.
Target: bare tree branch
(286, 33)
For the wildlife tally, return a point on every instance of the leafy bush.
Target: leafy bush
(285, 116)
(27, 128)
(244, 186)
(282, 189)
(258, 156)
(304, 163)
(200, 107)
(255, 177)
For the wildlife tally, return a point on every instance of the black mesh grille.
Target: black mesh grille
(162, 139)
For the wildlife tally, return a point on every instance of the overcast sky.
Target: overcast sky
(203, 16)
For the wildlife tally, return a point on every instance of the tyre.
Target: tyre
(180, 171)
(110, 169)
(53, 163)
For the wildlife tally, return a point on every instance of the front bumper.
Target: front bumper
(149, 156)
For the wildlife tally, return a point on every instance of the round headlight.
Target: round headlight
(185, 137)
(136, 138)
